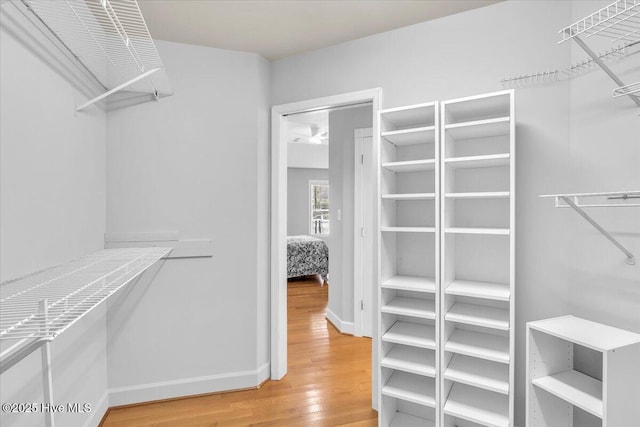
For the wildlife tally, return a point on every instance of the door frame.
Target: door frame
(278, 339)
(362, 233)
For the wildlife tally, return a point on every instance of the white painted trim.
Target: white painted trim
(187, 248)
(342, 326)
(142, 236)
(278, 339)
(98, 411)
(119, 396)
(182, 248)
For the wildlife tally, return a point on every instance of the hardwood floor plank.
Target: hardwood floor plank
(328, 381)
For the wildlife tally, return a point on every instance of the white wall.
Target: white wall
(300, 155)
(52, 207)
(298, 198)
(342, 124)
(196, 162)
(605, 156)
(462, 55)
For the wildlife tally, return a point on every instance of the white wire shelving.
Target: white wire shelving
(39, 307)
(578, 201)
(575, 69)
(618, 21)
(110, 39)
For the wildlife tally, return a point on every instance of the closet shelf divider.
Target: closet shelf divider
(476, 289)
(480, 345)
(411, 388)
(410, 165)
(478, 406)
(576, 388)
(412, 334)
(481, 161)
(479, 315)
(413, 307)
(478, 373)
(410, 283)
(411, 359)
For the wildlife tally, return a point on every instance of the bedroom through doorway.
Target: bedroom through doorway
(329, 204)
(319, 164)
(326, 197)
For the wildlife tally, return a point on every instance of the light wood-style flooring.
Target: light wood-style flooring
(328, 381)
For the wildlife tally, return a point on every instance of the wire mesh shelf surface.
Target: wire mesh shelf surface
(110, 38)
(45, 304)
(619, 21)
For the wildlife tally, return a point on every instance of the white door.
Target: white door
(363, 233)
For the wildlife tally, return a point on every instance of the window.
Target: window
(318, 207)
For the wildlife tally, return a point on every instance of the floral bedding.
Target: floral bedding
(307, 255)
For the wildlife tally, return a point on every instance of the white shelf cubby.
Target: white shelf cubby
(559, 394)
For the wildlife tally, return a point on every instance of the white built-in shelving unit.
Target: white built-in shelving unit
(477, 236)
(555, 386)
(447, 239)
(408, 292)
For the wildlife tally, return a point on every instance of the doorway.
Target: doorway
(279, 214)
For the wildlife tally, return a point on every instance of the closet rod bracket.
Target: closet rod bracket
(120, 87)
(606, 69)
(572, 200)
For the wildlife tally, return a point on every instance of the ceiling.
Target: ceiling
(279, 28)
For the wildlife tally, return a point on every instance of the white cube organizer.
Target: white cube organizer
(554, 387)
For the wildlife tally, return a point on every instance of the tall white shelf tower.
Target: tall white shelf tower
(477, 237)
(408, 291)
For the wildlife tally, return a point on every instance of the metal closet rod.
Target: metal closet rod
(573, 201)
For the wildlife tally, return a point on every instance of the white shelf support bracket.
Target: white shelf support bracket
(47, 382)
(605, 68)
(120, 87)
(631, 260)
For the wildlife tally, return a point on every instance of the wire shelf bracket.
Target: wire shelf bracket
(619, 21)
(118, 88)
(108, 38)
(574, 201)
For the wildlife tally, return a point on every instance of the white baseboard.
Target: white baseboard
(341, 325)
(98, 411)
(188, 387)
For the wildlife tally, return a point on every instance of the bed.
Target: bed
(307, 255)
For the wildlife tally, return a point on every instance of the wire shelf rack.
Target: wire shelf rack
(619, 21)
(44, 305)
(110, 38)
(575, 69)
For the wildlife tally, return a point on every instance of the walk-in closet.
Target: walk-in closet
(320, 213)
